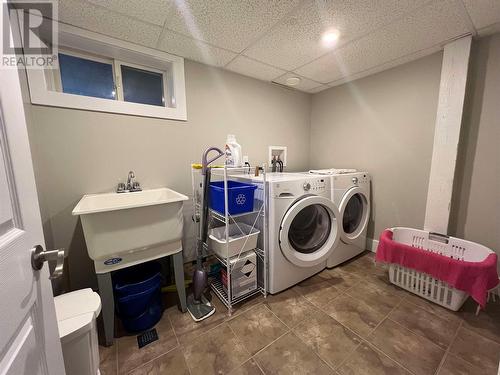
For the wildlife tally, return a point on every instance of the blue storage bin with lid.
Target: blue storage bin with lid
(240, 197)
(137, 292)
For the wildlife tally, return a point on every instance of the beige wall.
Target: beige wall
(383, 124)
(77, 152)
(476, 203)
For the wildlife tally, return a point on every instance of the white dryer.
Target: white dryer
(350, 193)
(304, 228)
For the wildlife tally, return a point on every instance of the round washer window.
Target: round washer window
(353, 214)
(310, 229)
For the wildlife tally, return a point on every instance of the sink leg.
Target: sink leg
(108, 306)
(179, 279)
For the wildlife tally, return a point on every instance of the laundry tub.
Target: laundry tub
(137, 291)
(76, 319)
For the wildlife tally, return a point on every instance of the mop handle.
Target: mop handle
(205, 163)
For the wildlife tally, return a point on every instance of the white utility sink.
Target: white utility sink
(130, 228)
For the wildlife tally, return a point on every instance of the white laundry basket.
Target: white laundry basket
(425, 285)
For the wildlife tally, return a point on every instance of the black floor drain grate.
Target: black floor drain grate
(147, 338)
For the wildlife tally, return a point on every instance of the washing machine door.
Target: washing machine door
(309, 231)
(354, 213)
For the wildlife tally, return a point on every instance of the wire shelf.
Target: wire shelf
(222, 217)
(255, 218)
(218, 288)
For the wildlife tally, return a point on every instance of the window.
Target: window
(100, 73)
(142, 86)
(86, 77)
(97, 77)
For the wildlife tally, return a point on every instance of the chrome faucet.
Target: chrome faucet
(130, 180)
(130, 186)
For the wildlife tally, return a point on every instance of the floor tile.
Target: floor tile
(246, 305)
(377, 298)
(475, 349)
(455, 366)
(187, 329)
(257, 328)
(171, 363)
(414, 352)
(250, 367)
(290, 307)
(288, 355)
(354, 268)
(318, 290)
(328, 338)
(107, 360)
(354, 314)
(487, 323)
(217, 351)
(367, 263)
(437, 329)
(130, 356)
(342, 280)
(382, 281)
(433, 308)
(367, 360)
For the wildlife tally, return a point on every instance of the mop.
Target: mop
(198, 305)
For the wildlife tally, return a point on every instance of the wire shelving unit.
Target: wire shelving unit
(256, 219)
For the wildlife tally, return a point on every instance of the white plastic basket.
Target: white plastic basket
(425, 285)
(242, 238)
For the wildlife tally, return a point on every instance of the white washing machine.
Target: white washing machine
(303, 228)
(350, 193)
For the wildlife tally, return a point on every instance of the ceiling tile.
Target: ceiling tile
(255, 69)
(318, 89)
(155, 11)
(483, 12)
(228, 24)
(304, 85)
(101, 20)
(189, 48)
(430, 26)
(297, 40)
(385, 66)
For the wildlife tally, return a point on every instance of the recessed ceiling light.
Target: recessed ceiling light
(330, 37)
(292, 81)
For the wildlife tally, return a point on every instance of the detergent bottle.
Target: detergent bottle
(233, 152)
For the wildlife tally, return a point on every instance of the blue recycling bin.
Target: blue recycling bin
(239, 197)
(137, 291)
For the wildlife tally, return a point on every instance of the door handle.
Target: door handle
(39, 256)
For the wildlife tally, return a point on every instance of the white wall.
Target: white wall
(79, 152)
(382, 124)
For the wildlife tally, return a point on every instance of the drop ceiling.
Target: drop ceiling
(273, 40)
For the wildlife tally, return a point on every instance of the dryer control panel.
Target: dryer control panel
(315, 186)
(299, 187)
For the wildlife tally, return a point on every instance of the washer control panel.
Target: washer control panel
(315, 186)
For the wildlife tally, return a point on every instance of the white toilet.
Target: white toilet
(76, 318)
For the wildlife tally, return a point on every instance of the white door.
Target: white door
(309, 231)
(29, 340)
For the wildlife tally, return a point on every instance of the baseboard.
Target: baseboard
(371, 245)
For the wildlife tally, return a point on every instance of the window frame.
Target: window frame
(93, 46)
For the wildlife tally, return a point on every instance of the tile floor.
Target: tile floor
(348, 320)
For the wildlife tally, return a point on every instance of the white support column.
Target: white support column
(447, 134)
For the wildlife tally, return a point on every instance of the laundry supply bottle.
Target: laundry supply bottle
(233, 152)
